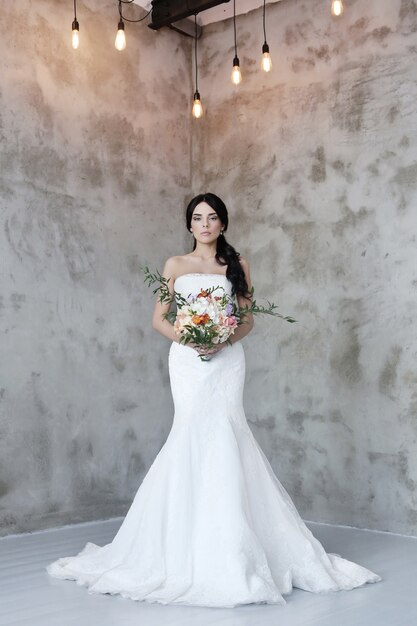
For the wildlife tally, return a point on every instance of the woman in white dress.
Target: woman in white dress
(210, 525)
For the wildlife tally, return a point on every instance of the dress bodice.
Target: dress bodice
(193, 282)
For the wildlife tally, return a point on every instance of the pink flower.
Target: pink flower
(230, 321)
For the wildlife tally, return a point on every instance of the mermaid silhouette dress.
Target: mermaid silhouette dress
(210, 524)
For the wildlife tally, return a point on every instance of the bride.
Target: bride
(210, 525)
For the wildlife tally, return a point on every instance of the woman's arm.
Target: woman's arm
(159, 323)
(244, 329)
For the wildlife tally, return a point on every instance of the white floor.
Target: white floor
(29, 596)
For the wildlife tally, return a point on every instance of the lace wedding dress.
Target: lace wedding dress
(210, 524)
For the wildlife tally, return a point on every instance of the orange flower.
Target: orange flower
(200, 319)
(203, 294)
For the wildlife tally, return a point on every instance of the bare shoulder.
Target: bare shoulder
(172, 267)
(246, 270)
(244, 262)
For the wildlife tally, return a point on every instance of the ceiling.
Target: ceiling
(220, 12)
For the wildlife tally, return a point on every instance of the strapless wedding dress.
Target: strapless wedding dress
(210, 524)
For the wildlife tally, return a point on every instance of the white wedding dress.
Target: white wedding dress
(210, 524)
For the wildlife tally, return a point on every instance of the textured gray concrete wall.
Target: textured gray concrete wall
(95, 170)
(317, 162)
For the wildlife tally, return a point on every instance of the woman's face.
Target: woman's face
(205, 223)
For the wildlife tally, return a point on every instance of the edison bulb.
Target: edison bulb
(120, 41)
(236, 75)
(197, 106)
(75, 34)
(266, 62)
(337, 7)
(197, 109)
(75, 39)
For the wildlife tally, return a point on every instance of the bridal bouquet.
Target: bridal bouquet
(204, 318)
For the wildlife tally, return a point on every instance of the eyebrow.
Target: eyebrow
(199, 214)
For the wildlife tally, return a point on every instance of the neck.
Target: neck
(205, 251)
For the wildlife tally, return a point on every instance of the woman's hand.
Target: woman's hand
(204, 350)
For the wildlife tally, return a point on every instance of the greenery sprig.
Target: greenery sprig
(165, 297)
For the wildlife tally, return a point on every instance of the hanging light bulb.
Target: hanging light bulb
(197, 106)
(197, 110)
(75, 34)
(75, 29)
(337, 7)
(266, 63)
(236, 73)
(120, 41)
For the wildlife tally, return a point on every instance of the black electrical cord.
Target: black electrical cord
(122, 17)
(234, 24)
(195, 51)
(75, 25)
(264, 22)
